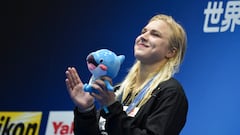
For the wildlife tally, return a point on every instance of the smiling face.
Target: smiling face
(152, 45)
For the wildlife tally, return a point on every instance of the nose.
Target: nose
(144, 37)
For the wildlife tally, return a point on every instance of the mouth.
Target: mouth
(143, 45)
(91, 60)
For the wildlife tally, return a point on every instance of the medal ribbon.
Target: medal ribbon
(139, 96)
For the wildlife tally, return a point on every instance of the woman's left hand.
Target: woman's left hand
(104, 96)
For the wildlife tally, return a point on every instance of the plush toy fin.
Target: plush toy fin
(121, 58)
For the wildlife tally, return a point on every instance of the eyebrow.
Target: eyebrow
(159, 32)
(153, 30)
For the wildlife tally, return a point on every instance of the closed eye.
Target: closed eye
(156, 33)
(152, 32)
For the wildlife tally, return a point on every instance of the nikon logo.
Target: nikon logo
(20, 123)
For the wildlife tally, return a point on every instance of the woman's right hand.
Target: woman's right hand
(82, 99)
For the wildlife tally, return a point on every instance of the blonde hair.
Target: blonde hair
(177, 40)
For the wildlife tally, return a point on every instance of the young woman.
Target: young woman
(149, 101)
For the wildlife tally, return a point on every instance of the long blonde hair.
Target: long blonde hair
(177, 40)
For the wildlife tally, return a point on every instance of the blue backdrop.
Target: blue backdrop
(42, 38)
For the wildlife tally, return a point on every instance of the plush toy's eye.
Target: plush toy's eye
(101, 60)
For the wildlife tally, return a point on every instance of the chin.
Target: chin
(138, 56)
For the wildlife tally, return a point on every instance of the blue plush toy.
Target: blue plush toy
(103, 62)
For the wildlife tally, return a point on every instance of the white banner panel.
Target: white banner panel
(60, 123)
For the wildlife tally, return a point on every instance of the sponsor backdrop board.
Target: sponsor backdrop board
(42, 38)
(20, 123)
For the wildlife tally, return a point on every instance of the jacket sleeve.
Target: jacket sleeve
(164, 114)
(85, 123)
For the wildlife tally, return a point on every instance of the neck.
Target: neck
(148, 70)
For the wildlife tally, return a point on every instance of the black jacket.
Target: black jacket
(163, 114)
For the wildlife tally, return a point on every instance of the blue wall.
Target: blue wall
(41, 39)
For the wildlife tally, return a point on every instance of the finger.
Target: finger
(105, 84)
(99, 85)
(70, 82)
(75, 76)
(96, 96)
(107, 79)
(69, 88)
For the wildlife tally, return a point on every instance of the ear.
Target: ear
(171, 52)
